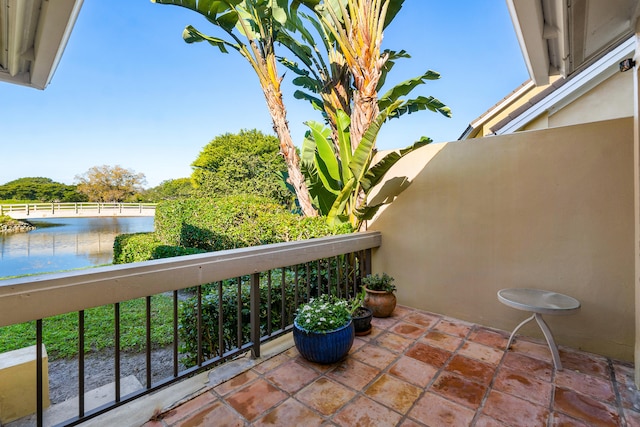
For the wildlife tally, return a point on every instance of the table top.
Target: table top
(538, 301)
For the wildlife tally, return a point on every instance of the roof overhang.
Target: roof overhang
(560, 36)
(33, 36)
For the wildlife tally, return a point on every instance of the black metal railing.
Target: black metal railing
(226, 304)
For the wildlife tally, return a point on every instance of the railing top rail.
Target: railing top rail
(36, 297)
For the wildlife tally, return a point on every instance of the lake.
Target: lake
(65, 243)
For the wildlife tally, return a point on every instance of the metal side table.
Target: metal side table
(539, 302)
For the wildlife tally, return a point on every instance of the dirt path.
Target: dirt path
(100, 368)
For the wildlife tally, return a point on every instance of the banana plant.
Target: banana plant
(251, 27)
(325, 65)
(340, 182)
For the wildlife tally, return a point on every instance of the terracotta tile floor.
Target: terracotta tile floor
(422, 369)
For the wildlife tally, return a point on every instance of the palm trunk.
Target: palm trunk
(287, 148)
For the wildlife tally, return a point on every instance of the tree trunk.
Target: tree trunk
(287, 148)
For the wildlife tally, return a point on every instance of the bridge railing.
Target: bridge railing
(270, 276)
(43, 210)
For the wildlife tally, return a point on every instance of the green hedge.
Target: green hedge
(234, 222)
(189, 226)
(145, 246)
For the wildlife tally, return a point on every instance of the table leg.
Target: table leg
(552, 344)
(513, 334)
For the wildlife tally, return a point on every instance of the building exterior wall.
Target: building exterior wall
(550, 209)
(609, 100)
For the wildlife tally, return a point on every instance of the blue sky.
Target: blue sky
(130, 92)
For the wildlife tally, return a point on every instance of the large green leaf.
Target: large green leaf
(419, 104)
(343, 122)
(392, 10)
(337, 211)
(322, 198)
(209, 8)
(404, 88)
(392, 57)
(317, 103)
(364, 152)
(376, 172)
(325, 152)
(191, 35)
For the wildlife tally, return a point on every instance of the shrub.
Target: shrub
(270, 300)
(234, 222)
(143, 247)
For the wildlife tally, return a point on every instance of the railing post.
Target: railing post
(255, 315)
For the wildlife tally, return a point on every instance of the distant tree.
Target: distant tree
(245, 163)
(110, 184)
(41, 190)
(171, 189)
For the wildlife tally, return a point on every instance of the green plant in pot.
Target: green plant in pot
(323, 330)
(380, 297)
(361, 315)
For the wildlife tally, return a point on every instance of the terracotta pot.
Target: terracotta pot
(362, 321)
(382, 303)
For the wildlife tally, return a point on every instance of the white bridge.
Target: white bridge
(70, 210)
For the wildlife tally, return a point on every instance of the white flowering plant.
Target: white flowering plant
(323, 314)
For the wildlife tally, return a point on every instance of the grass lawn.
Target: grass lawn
(60, 333)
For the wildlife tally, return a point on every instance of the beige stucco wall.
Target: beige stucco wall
(609, 100)
(548, 209)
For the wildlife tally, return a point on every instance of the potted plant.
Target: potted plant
(380, 296)
(323, 330)
(361, 315)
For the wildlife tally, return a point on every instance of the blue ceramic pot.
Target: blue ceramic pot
(325, 348)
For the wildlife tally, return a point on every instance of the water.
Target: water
(65, 243)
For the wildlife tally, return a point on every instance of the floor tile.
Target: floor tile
(514, 411)
(624, 372)
(393, 342)
(408, 330)
(353, 373)
(375, 356)
(436, 411)
(252, 400)
(413, 371)
(453, 327)
(485, 421)
(529, 366)
(585, 363)
(292, 376)
(537, 350)
(559, 419)
(384, 323)
(459, 389)
(470, 368)
(596, 387)
(521, 385)
(394, 393)
(235, 383)
(420, 369)
(289, 413)
(215, 414)
(271, 363)
(188, 408)
(422, 319)
(489, 338)
(442, 340)
(585, 408)
(481, 352)
(325, 396)
(366, 412)
(632, 418)
(429, 354)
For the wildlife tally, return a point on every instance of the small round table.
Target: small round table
(539, 302)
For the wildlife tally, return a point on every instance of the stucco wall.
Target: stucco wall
(549, 209)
